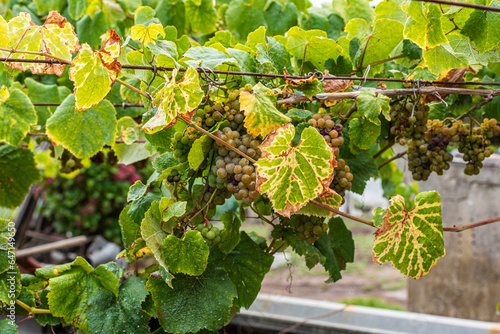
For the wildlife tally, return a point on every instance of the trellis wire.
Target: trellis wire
(269, 75)
(463, 4)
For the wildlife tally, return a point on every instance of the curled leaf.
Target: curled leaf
(94, 72)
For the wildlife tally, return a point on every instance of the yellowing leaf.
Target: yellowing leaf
(56, 37)
(329, 198)
(262, 117)
(411, 240)
(176, 99)
(4, 33)
(292, 176)
(94, 72)
(147, 34)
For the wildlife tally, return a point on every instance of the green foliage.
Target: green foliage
(204, 268)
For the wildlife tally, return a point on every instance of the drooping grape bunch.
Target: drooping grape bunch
(429, 153)
(174, 176)
(214, 196)
(408, 120)
(475, 146)
(329, 130)
(236, 173)
(181, 144)
(342, 180)
(310, 228)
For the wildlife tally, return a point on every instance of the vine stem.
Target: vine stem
(397, 156)
(343, 214)
(387, 146)
(470, 226)
(32, 310)
(217, 139)
(64, 61)
(432, 90)
(378, 62)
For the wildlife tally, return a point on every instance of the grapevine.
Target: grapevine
(231, 116)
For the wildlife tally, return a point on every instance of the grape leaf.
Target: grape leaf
(261, 115)
(310, 86)
(42, 93)
(243, 18)
(10, 280)
(230, 235)
(302, 247)
(202, 56)
(90, 130)
(176, 99)
(129, 226)
(363, 134)
(202, 16)
(280, 18)
(274, 57)
(90, 28)
(109, 314)
(188, 255)
(443, 58)
(483, 28)
(371, 105)
(411, 240)
(17, 173)
(7, 232)
(126, 130)
(77, 8)
(136, 191)
(16, 115)
(338, 248)
(4, 33)
(193, 303)
(247, 265)
(172, 13)
(56, 37)
(291, 176)
(71, 286)
(153, 234)
(199, 151)
(8, 326)
(424, 27)
(329, 198)
(314, 44)
(147, 34)
(94, 72)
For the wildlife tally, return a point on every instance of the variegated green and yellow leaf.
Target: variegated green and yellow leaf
(4, 33)
(147, 34)
(262, 117)
(176, 99)
(292, 176)
(411, 240)
(94, 72)
(56, 37)
(329, 198)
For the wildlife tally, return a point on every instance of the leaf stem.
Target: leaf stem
(397, 156)
(149, 97)
(62, 60)
(32, 310)
(468, 227)
(217, 139)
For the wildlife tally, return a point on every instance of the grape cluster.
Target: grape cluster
(408, 121)
(174, 176)
(181, 144)
(329, 130)
(69, 163)
(310, 228)
(219, 198)
(211, 234)
(342, 180)
(233, 171)
(475, 146)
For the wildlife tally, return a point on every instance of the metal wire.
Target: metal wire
(269, 75)
(463, 4)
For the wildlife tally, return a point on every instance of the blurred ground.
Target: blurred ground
(363, 283)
